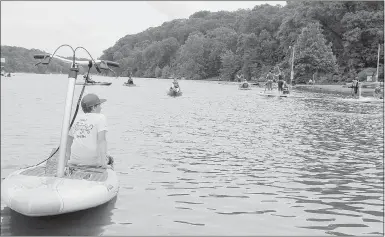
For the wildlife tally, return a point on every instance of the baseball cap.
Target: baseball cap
(90, 100)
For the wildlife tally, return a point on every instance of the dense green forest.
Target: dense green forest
(332, 41)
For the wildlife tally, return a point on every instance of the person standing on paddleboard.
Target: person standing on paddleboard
(269, 83)
(280, 84)
(378, 93)
(276, 75)
(285, 88)
(87, 144)
(355, 87)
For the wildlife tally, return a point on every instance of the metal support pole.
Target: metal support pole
(378, 61)
(66, 120)
(292, 68)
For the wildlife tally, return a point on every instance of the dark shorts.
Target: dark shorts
(355, 90)
(110, 160)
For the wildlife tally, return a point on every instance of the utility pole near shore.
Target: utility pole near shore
(292, 66)
(378, 61)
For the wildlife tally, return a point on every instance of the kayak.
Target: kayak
(245, 86)
(174, 92)
(126, 84)
(95, 83)
(35, 192)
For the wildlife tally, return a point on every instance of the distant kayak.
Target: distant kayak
(95, 83)
(245, 86)
(6, 75)
(174, 92)
(126, 84)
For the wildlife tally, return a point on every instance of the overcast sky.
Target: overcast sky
(95, 25)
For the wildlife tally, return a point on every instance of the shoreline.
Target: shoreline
(334, 89)
(337, 89)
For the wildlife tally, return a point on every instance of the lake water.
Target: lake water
(215, 161)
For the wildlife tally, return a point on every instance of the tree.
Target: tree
(364, 30)
(313, 54)
(158, 72)
(166, 72)
(168, 48)
(230, 65)
(117, 56)
(191, 58)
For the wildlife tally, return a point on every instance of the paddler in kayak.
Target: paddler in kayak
(175, 85)
(244, 83)
(88, 79)
(130, 81)
(87, 144)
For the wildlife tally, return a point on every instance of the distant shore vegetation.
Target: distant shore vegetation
(333, 41)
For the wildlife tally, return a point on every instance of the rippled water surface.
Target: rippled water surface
(215, 161)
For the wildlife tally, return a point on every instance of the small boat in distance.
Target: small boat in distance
(174, 92)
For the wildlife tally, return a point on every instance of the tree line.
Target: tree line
(334, 40)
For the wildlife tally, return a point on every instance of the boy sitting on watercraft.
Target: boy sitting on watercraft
(87, 144)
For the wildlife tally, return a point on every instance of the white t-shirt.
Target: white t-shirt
(85, 133)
